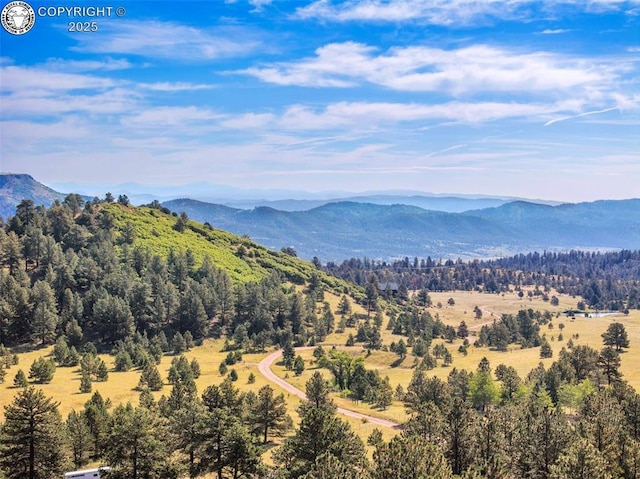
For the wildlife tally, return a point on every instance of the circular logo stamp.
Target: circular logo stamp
(18, 17)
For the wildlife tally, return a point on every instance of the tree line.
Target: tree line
(605, 280)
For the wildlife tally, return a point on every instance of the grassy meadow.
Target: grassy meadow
(120, 387)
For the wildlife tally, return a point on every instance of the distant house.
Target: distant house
(388, 287)
(87, 474)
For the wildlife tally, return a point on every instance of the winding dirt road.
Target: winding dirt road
(264, 367)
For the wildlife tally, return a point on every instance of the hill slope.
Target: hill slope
(16, 187)
(346, 229)
(243, 259)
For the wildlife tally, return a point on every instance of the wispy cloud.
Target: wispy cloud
(478, 68)
(76, 66)
(376, 115)
(453, 13)
(588, 113)
(168, 40)
(259, 5)
(557, 31)
(175, 87)
(170, 116)
(20, 78)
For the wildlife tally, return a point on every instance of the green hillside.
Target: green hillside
(243, 259)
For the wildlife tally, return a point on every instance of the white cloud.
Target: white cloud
(259, 5)
(42, 103)
(478, 68)
(588, 113)
(75, 66)
(360, 116)
(557, 31)
(447, 12)
(28, 78)
(174, 87)
(170, 116)
(157, 39)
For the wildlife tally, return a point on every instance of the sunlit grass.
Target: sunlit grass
(120, 388)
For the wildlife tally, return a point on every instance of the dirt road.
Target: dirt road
(265, 369)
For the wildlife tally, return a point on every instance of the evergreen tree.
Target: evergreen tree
(79, 438)
(123, 361)
(320, 432)
(45, 316)
(150, 378)
(269, 414)
(96, 411)
(298, 365)
(42, 370)
(384, 394)
(179, 344)
(85, 383)
(581, 460)
(102, 373)
(138, 444)
(288, 355)
(545, 349)
(32, 443)
(616, 336)
(409, 457)
(61, 351)
(20, 380)
(186, 425)
(609, 364)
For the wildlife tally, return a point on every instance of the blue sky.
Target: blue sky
(519, 98)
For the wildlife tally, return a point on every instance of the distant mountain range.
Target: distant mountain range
(392, 225)
(340, 230)
(288, 200)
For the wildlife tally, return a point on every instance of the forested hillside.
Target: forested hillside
(143, 285)
(104, 271)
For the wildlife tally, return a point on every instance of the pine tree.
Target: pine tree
(102, 373)
(409, 457)
(138, 443)
(79, 438)
(32, 444)
(298, 365)
(42, 370)
(179, 344)
(581, 460)
(616, 335)
(269, 414)
(85, 383)
(20, 380)
(609, 364)
(96, 410)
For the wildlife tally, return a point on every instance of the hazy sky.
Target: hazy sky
(521, 98)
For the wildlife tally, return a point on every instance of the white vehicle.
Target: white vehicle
(87, 474)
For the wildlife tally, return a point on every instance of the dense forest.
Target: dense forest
(608, 280)
(77, 276)
(69, 271)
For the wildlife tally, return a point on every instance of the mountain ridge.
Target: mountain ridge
(337, 230)
(341, 230)
(14, 187)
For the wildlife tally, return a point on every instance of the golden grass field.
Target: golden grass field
(120, 387)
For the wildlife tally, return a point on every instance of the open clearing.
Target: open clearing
(121, 385)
